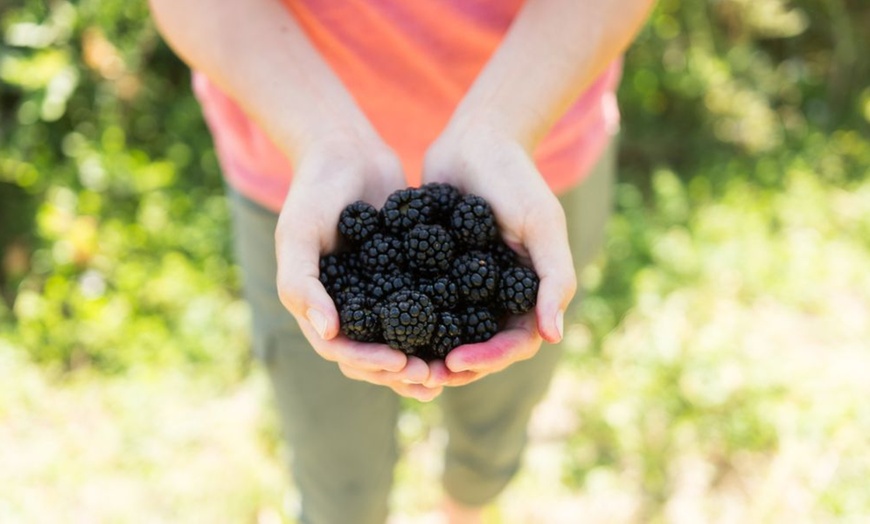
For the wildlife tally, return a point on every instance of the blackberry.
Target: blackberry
(504, 256)
(405, 209)
(381, 253)
(473, 222)
(332, 267)
(442, 290)
(447, 335)
(382, 285)
(479, 324)
(476, 274)
(338, 272)
(408, 320)
(358, 221)
(358, 321)
(429, 249)
(349, 284)
(518, 290)
(444, 198)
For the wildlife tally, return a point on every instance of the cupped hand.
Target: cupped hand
(329, 175)
(482, 160)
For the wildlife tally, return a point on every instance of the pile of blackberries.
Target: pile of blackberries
(426, 273)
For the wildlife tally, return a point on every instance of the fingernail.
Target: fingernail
(317, 320)
(409, 381)
(560, 323)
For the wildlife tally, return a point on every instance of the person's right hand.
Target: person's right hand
(330, 174)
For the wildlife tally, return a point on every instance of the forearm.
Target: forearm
(553, 51)
(256, 52)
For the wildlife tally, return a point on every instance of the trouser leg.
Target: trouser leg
(341, 432)
(487, 420)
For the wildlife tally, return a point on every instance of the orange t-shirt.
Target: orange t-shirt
(407, 64)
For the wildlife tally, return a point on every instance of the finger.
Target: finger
(418, 392)
(360, 355)
(546, 239)
(518, 341)
(440, 375)
(415, 372)
(383, 378)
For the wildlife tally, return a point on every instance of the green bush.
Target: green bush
(114, 227)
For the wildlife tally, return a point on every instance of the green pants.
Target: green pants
(342, 432)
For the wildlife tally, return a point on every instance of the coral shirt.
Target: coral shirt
(407, 64)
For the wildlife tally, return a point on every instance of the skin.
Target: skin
(254, 50)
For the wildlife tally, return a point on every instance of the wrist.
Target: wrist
(346, 151)
(465, 143)
(488, 124)
(330, 130)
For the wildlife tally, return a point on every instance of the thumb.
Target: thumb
(298, 283)
(307, 300)
(547, 243)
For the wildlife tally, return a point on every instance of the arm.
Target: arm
(258, 54)
(553, 51)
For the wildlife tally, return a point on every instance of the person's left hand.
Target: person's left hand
(483, 161)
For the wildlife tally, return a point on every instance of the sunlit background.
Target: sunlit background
(718, 371)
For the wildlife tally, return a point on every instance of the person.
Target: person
(314, 105)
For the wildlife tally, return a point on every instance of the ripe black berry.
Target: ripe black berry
(518, 290)
(358, 320)
(443, 291)
(358, 221)
(443, 198)
(338, 273)
(476, 274)
(429, 249)
(479, 324)
(448, 335)
(405, 209)
(408, 320)
(473, 222)
(504, 256)
(381, 253)
(382, 285)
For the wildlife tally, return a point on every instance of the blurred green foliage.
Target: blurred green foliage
(114, 228)
(745, 153)
(718, 92)
(745, 163)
